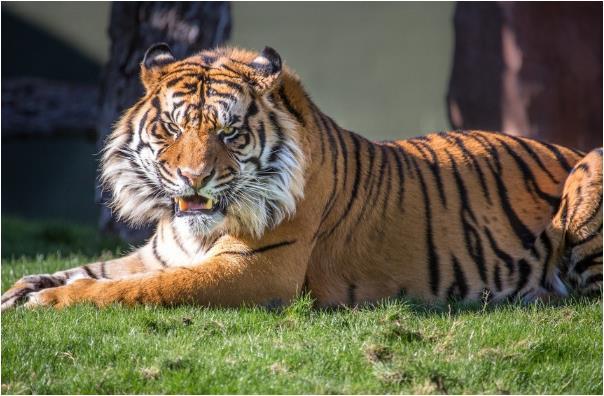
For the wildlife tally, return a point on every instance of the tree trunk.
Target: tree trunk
(187, 27)
(532, 69)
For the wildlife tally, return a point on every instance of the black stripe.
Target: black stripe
(246, 140)
(497, 278)
(156, 253)
(432, 257)
(466, 215)
(173, 82)
(321, 135)
(226, 67)
(373, 179)
(261, 138)
(252, 110)
(530, 181)
(564, 211)
(213, 93)
(192, 87)
(343, 149)
(380, 175)
(273, 246)
(577, 205)
(520, 229)
(276, 150)
(476, 166)
(592, 215)
(401, 176)
(388, 178)
(524, 271)
(583, 167)
(433, 164)
(355, 184)
(534, 252)
(229, 83)
(334, 154)
(459, 287)
(257, 250)
(289, 106)
(143, 120)
(89, 272)
(176, 106)
(18, 294)
(178, 240)
(403, 152)
(334, 159)
(507, 259)
(547, 247)
(587, 262)
(554, 150)
(533, 155)
(103, 270)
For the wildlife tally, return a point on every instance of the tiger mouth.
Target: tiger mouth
(195, 205)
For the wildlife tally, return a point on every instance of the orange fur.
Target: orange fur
(449, 215)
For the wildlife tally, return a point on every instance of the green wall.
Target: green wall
(377, 68)
(380, 68)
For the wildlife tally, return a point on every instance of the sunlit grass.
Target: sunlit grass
(395, 347)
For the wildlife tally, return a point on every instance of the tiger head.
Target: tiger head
(207, 146)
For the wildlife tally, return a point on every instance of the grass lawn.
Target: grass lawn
(396, 347)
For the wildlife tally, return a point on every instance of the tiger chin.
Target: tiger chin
(258, 196)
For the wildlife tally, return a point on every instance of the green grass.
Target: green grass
(396, 347)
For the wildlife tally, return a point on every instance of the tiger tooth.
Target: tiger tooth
(209, 204)
(182, 204)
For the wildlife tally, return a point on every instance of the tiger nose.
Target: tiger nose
(196, 180)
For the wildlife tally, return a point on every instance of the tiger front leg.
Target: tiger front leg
(230, 278)
(112, 269)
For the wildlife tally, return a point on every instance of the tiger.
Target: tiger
(259, 197)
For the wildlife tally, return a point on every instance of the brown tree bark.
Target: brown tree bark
(532, 69)
(134, 26)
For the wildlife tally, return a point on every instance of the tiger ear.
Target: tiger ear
(266, 70)
(156, 57)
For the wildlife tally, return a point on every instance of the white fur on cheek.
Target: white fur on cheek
(261, 201)
(130, 176)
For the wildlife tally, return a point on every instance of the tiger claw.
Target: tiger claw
(14, 296)
(25, 286)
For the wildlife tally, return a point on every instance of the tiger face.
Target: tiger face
(206, 146)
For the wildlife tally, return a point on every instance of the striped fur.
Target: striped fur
(304, 204)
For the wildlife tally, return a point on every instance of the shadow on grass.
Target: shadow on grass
(456, 308)
(25, 238)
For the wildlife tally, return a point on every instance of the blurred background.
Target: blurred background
(385, 70)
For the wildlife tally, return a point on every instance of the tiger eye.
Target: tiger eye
(226, 131)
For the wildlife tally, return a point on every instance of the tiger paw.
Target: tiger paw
(63, 296)
(26, 286)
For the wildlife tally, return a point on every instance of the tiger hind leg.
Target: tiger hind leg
(580, 219)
